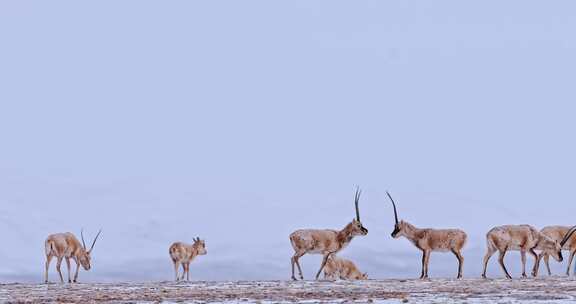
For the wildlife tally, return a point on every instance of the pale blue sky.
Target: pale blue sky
(240, 121)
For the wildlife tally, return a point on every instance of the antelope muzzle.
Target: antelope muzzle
(396, 231)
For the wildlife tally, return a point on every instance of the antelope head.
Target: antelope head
(357, 227)
(554, 248)
(200, 246)
(358, 276)
(84, 255)
(398, 225)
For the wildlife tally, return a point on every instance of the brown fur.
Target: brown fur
(431, 240)
(523, 238)
(66, 246)
(326, 242)
(339, 268)
(557, 233)
(183, 254)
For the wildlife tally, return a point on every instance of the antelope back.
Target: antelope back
(512, 237)
(557, 233)
(314, 240)
(445, 239)
(61, 244)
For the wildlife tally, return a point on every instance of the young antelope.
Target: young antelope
(183, 254)
(339, 268)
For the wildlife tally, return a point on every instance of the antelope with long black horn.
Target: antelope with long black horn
(66, 246)
(523, 238)
(325, 241)
(431, 240)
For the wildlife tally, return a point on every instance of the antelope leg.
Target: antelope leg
(324, 261)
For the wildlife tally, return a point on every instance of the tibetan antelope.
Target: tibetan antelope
(66, 246)
(183, 254)
(326, 241)
(523, 238)
(430, 240)
(558, 233)
(339, 268)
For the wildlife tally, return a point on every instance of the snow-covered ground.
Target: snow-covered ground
(549, 290)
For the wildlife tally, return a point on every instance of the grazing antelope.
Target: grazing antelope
(430, 240)
(326, 241)
(339, 268)
(523, 238)
(66, 246)
(558, 233)
(182, 253)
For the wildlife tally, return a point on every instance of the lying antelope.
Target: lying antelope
(523, 238)
(183, 254)
(66, 246)
(326, 242)
(339, 268)
(430, 240)
(558, 233)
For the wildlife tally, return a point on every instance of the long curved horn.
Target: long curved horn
(567, 236)
(394, 205)
(356, 199)
(94, 242)
(82, 236)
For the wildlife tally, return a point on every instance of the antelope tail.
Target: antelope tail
(48, 247)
